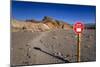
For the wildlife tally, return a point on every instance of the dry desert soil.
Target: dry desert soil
(55, 46)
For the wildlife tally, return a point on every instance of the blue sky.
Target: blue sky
(68, 13)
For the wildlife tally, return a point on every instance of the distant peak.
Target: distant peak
(47, 18)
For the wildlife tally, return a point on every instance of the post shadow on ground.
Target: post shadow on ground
(57, 57)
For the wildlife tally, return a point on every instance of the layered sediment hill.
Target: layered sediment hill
(47, 23)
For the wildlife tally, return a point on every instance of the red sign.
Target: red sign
(78, 27)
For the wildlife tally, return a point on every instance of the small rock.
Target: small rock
(20, 48)
(67, 55)
(29, 56)
(25, 62)
(41, 41)
(54, 37)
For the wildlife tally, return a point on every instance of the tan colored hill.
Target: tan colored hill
(46, 24)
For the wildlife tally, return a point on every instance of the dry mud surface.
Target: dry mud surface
(56, 46)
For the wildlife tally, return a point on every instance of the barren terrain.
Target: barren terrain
(54, 46)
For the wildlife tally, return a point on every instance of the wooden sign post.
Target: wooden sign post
(78, 47)
(78, 28)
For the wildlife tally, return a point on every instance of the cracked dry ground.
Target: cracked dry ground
(59, 43)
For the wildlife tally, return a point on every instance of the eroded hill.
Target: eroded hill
(47, 23)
